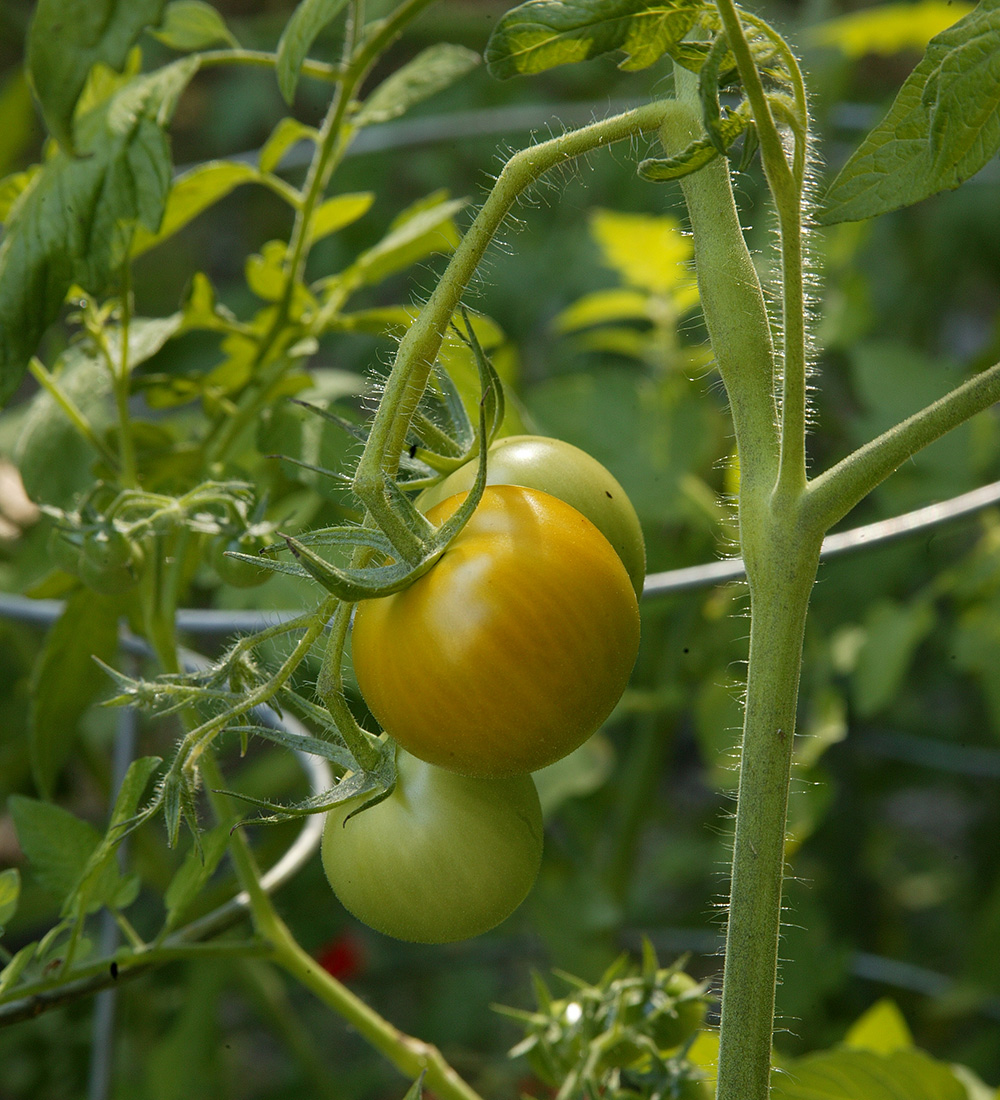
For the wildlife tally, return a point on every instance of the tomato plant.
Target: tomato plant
(443, 857)
(513, 649)
(567, 472)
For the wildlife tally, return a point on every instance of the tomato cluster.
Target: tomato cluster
(501, 659)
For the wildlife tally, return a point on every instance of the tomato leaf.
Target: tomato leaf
(190, 194)
(67, 38)
(421, 230)
(192, 25)
(865, 1075)
(882, 1029)
(541, 34)
(10, 892)
(56, 843)
(73, 223)
(942, 128)
(431, 71)
(339, 212)
(194, 872)
(67, 680)
(308, 19)
(84, 378)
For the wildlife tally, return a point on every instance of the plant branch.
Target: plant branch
(832, 494)
(730, 293)
(422, 341)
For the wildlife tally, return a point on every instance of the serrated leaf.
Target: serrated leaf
(192, 193)
(194, 872)
(193, 25)
(864, 1075)
(308, 19)
(339, 212)
(430, 72)
(57, 844)
(942, 128)
(300, 742)
(68, 37)
(66, 679)
(882, 1029)
(73, 224)
(10, 892)
(541, 34)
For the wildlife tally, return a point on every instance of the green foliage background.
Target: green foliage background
(895, 868)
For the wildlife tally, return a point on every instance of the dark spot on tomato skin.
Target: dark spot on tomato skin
(609, 495)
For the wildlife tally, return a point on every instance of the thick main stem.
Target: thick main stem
(781, 568)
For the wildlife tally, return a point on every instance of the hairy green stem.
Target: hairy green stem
(782, 559)
(731, 297)
(411, 1056)
(422, 341)
(334, 137)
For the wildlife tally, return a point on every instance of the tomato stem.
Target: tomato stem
(422, 341)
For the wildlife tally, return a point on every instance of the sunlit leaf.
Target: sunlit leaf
(865, 1075)
(943, 127)
(541, 34)
(888, 28)
(882, 1029)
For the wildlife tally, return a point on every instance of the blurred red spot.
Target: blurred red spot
(343, 957)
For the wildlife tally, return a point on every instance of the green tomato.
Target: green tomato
(566, 472)
(235, 571)
(110, 562)
(64, 550)
(443, 858)
(674, 1012)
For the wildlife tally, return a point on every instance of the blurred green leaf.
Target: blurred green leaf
(308, 19)
(888, 28)
(431, 71)
(68, 37)
(864, 1075)
(18, 112)
(73, 224)
(892, 633)
(10, 892)
(194, 872)
(193, 25)
(942, 128)
(56, 843)
(541, 34)
(421, 230)
(882, 1029)
(67, 679)
(288, 132)
(190, 194)
(338, 212)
